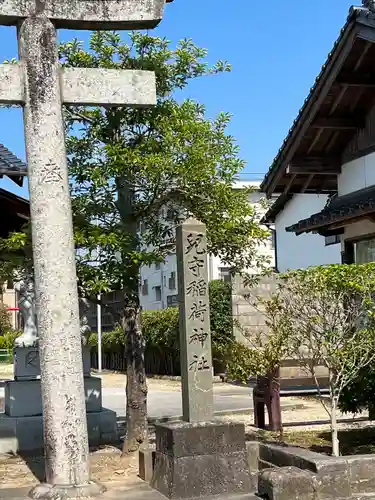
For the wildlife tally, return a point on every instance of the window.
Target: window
(172, 300)
(364, 251)
(145, 287)
(225, 274)
(172, 281)
(332, 239)
(158, 293)
(164, 280)
(157, 266)
(10, 285)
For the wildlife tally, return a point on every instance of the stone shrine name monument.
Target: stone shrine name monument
(199, 457)
(41, 86)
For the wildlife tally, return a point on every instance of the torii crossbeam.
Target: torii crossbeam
(41, 86)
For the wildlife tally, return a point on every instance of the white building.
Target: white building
(300, 252)
(330, 149)
(159, 281)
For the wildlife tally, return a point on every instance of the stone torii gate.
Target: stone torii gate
(42, 86)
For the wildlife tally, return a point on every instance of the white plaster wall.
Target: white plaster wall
(305, 250)
(357, 174)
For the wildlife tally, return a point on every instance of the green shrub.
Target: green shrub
(161, 332)
(221, 310)
(360, 393)
(160, 328)
(5, 320)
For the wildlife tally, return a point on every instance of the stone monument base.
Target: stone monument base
(21, 426)
(24, 398)
(25, 434)
(201, 460)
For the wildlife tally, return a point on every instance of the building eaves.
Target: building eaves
(338, 209)
(276, 208)
(354, 14)
(12, 166)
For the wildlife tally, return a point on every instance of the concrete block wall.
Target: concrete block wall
(249, 318)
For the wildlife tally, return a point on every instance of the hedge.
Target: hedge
(161, 333)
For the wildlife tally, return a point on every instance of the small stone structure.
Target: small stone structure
(197, 457)
(21, 426)
(26, 302)
(285, 473)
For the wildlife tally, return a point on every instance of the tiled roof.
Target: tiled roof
(276, 208)
(338, 208)
(354, 13)
(12, 166)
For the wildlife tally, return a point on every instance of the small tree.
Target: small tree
(329, 320)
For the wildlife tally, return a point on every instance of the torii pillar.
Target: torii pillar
(41, 86)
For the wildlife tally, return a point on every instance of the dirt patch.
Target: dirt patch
(118, 380)
(6, 371)
(107, 466)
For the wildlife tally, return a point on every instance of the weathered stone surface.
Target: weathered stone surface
(201, 475)
(11, 84)
(87, 14)
(287, 483)
(146, 464)
(24, 399)
(195, 335)
(87, 86)
(19, 434)
(180, 439)
(252, 449)
(53, 256)
(98, 86)
(201, 459)
(27, 363)
(332, 474)
(333, 478)
(362, 473)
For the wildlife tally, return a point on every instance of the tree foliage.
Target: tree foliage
(136, 173)
(321, 316)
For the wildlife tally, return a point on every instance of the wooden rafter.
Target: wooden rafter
(308, 170)
(334, 123)
(316, 162)
(289, 185)
(357, 79)
(315, 140)
(362, 56)
(307, 183)
(332, 140)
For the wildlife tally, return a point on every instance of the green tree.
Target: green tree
(137, 173)
(329, 316)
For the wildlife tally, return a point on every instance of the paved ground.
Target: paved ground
(164, 400)
(167, 403)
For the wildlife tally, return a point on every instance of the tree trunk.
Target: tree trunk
(335, 439)
(136, 384)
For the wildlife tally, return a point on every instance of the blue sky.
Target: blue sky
(275, 47)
